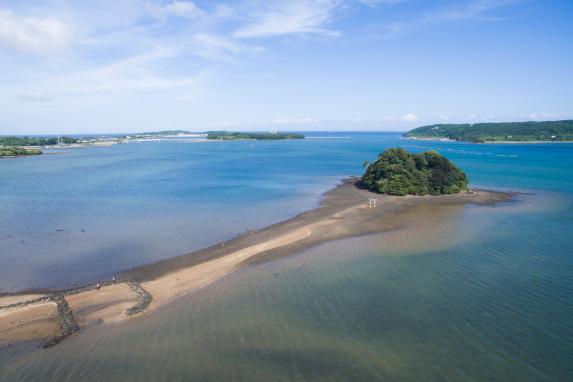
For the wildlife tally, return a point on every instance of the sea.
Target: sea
(462, 293)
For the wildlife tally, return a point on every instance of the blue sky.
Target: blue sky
(139, 65)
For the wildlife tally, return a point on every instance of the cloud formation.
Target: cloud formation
(275, 18)
(410, 117)
(241, 61)
(32, 34)
(186, 9)
(460, 11)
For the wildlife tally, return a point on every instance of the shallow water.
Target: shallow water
(463, 293)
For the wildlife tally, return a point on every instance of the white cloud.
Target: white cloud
(469, 10)
(287, 121)
(284, 122)
(475, 118)
(475, 9)
(378, 2)
(36, 97)
(544, 116)
(36, 35)
(218, 48)
(135, 75)
(185, 9)
(410, 117)
(291, 17)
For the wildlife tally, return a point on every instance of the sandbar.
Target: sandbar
(345, 211)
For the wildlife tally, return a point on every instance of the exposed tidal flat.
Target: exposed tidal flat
(52, 316)
(463, 292)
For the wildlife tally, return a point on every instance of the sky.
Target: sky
(119, 66)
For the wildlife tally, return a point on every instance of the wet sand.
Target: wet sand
(344, 212)
(106, 305)
(31, 322)
(14, 299)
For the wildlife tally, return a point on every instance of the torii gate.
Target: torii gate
(372, 202)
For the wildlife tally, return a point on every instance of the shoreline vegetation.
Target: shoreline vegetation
(17, 146)
(504, 132)
(14, 152)
(507, 132)
(346, 211)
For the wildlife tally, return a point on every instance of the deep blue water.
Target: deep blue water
(465, 293)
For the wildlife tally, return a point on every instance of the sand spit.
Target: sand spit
(344, 212)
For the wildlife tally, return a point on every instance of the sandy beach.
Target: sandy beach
(27, 323)
(344, 212)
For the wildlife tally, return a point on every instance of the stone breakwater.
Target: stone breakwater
(68, 324)
(22, 304)
(144, 299)
(66, 320)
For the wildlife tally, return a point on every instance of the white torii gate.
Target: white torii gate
(372, 202)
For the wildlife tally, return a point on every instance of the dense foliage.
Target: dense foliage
(398, 172)
(510, 131)
(34, 141)
(17, 151)
(229, 135)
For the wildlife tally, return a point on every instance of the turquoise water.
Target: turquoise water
(466, 293)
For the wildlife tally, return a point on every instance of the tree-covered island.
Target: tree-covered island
(399, 172)
(557, 131)
(230, 135)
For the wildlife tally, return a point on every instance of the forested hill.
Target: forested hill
(399, 172)
(505, 131)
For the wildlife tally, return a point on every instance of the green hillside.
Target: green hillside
(506, 131)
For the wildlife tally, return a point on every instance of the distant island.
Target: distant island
(18, 146)
(36, 141)
(231, 135)
(8, 152)
(550, 131)
(164, 134)
(399, 172)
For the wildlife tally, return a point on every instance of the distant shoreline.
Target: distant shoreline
(344, 212)
(437, 139)
(499, 132)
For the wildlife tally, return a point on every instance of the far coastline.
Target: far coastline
(497, 132)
